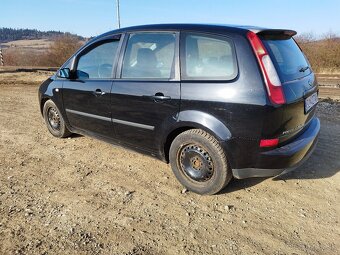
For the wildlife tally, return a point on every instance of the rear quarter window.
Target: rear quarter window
(288, 59)
(207, 57)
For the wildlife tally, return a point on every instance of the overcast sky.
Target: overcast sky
(93, 17)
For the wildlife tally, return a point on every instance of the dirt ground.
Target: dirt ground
(83, 196)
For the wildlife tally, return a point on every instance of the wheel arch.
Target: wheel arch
(193, 119)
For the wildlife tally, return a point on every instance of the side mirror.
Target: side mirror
(68, 72)
(64, 73)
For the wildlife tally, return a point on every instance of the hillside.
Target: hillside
(322, 53)
(11, 34)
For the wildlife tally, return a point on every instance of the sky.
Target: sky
(93, 17)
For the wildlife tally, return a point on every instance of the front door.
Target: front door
(87, 97)
(146, 97)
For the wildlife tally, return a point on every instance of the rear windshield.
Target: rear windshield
(288, 59)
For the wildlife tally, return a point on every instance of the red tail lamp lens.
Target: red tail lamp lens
(270, 75)
(269, 142)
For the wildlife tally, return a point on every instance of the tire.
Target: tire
(54, 120)
(199, 162)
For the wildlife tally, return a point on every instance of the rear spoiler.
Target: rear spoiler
(272, 34)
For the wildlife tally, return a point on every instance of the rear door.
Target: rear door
(298, 82)
(146, 97)
(87, 97)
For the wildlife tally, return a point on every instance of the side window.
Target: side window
(149, 55)
(98, 62)
(208, 57)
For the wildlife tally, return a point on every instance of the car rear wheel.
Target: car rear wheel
(54, 120)
(199, 162)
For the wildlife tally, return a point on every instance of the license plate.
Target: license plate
(311, 101)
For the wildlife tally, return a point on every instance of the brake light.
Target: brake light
(269, 142)
(272, 81)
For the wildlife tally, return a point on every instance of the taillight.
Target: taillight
(269, 142)
(272, 80)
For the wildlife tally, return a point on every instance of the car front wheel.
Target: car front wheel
(54, 120)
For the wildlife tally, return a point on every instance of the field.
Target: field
(39, 52)
(83, 196)
(39, 45)
(24, 51)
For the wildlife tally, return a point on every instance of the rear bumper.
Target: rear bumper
(283, 159)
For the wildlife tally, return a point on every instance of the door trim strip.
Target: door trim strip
(89, 115)
(133, 124)
(124, 122)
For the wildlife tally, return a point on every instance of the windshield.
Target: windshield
(288, 59)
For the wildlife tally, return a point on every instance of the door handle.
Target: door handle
(160, 97)
(98, 92)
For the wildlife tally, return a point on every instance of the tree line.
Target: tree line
(12, 34)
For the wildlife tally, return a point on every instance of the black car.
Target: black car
(215, 101)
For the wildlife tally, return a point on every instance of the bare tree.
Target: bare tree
(62, 48)
(305, 37)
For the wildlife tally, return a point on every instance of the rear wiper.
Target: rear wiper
(303, 69)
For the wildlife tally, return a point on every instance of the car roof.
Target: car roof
(212, 28)
(182, 26)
